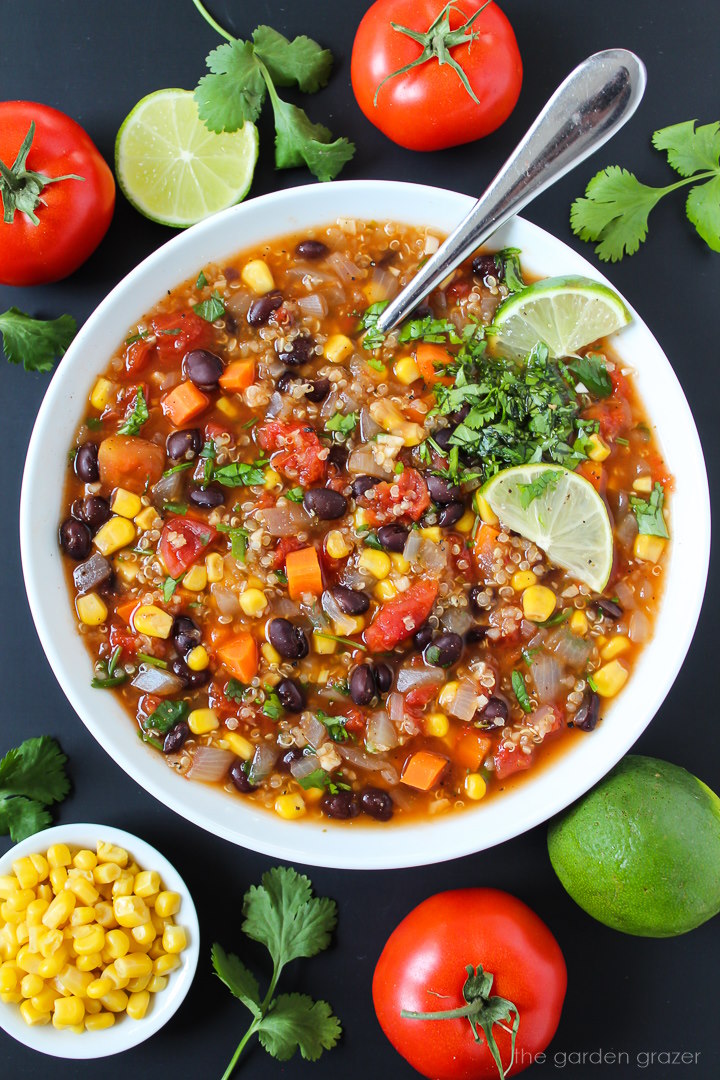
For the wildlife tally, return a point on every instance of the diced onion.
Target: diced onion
(314, 304)
(546, 676)
(545, 720)
(238, 303)
(639, 627)
(168, 489)
(362, 462)
(226, 601)
(280, 405)
(385, 282)
(307, 764)
(263, 761)
(432, 556)
(91, 573)
(410, 677)
(625, 596)
(368, 427)
(626, 530)
(381, 735)
(569, 648)
(412, 546)
(345, 268)
(209, 763)
(466, 701)
(342, 624)
(285, 520)
(152, 680)
(457, 620)
(314, 731)
(372, 762)
(330, 406)
(396, 708)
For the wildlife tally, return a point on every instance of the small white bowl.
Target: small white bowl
(125, 1033)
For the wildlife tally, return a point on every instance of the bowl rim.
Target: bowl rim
(128, 1033)
(369, 846)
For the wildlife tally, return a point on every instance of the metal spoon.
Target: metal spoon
(586, 110)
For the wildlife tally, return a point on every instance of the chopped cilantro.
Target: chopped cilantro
(557, 618)
(507, 262)
(241, 473)
(375, 364)
(341, 640)
(622, 442)
(335, 725)
(32, 777)
(649, 513)
(370, 540)
(166, 716)
(113, 676)
(211, 309)
(238, 538)
(590, 370)
(372, 338)
(530, 492)
(138, 416)
(179, 468)
(180, 508)
(281, 576)
(272, 706)
(94, 423)
(438, 331)
(592, 684)
(234, 690)
(295, 494)
(207, 456)
(152, 660)
(342, 425)
(201, 281)
(140, 336)
(169, 586)
(520, 691)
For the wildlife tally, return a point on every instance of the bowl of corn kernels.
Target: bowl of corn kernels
(99, 941)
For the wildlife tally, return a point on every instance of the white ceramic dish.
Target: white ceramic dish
(308, 841)
(125, 1033)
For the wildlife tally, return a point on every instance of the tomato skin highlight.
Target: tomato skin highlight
(422, 969)
(74, 214)
(197, 536)
(388, 627)
(407, 105)
(380, 501)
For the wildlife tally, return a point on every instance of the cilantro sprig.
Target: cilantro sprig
(32, 777)
(284, 916)
(342, 425)
(35, 343)
(649, 513)
(241, 473)
(244, 73)
(137, 417)
(617, 205)
(211, 309)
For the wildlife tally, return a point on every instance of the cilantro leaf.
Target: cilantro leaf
(283, 915)
(201, 280)
(272, 706)
(316, 779)
(532, 491)
(238, 538)
(211, 309)
(335, 725)
(590, 370)
(169, 586)
(703, 211)
(520, 691)
(234, 92)
(429, 329)
(372, 338)
(300, 62)
(138, 416)
(241, 473)
(298, 141)
(614, 211)
(690, 149)
(342, 425)
(649, 513)
(32, 776)
(35, 343)
(295, 494)
(234, 690)
(166, 716)
(239, 981)
(296, 1022)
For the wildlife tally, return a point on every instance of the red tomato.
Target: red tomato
(419, 697)
(282, 549)
(429, 107)
(408, 488)
(613, 415)
(509, 762)
(72, 215)
(182, 542)
(422, 969)
(137, 356)
(120, 636)
(399, 618)
(180, 331)
(297, 448)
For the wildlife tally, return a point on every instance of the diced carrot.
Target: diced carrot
(424, 769)
(184, 403)
(595, 473)
(240, 656)
(429, 358)
(471, 749)
(419, 407)
(303, 573)
(484, 548)
(238, 375)
(125, 610)
(129, 461)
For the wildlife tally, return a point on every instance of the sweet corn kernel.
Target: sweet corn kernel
(13, 997)
(26, 873)
(134, 965)
(485, 510)
(338, 347)
(41, 865)
(648, 548)
(643, 484)
(43, 1001)
(132, 910)
(174, 938)
(126, 571)
(406, 370)
(147, 882)
(197, 659)
(58, 877)
(257, 275)
(447, 695)
(137, 1005)
(195, 579)
(375, 562)
(157, 984)
(466, 524)
(31, 985)
(253, 602)
(228, 408)
(33, 1017)
(106, 873)
(152, 620)
(596, 447)
(51, 966)
(115, 534)
(244, 749)
(99, 1022)
(83, 889)
(272, 479)
(125, 503)
(475, 786)
(289, 807)
(89, 939)
(433, 533)
(360, 518)
(144, 935)
(85, 860)
(8, 978)
(610, 678)
(118, 981)
(166, 963)
(336, 545)
(384, 590)
(437, 725)
(137, 985)
(81, 916)
(272, 656)
(412, 434)
(322, 645)
(117, 943)
(91, 610)
(8, 885)
(60, 910)
(102, 395)
(72, 981)
(523, 579)
(538, 603)
(123, 886)
(107, 852)
(200, 722)
(348, 625)
(89, 961)
(167, 904)
(579, 623)
(115, 1001)
(44, 892)
(399, 563)
(616, 646)
(146, 518)
(214, 566)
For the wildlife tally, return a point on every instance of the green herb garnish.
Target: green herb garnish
(211, 309)
(530, 492)
(179, 468)
(234, 690)
(520, 691)
(335, 726)
(32, 777)
(375, 364)
(295, 494)
(152, 660)
(557, 618)
(138, 416)
(35, 343)
(238, 538)
(113, 676)
(649, 513)
(340, 640)
(272, 706)
(94, 423)
(370, 540)
(342, 425)
(372, 338)
(241, 473)
(170, 585)
(207, 456)
(140, 336)
(166, 716)
(590, 370)
(201, 281)
(180, 508)
(592, 684)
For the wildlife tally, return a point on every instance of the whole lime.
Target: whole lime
(641, 851)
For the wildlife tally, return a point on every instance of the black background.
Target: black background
(94, 61)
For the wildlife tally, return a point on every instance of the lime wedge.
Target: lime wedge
(172, 169)
(559, 511)
(567, 313)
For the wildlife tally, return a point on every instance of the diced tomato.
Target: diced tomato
(417, 698)
(284, 546)
(119, 636)
(183, 541)
(408, 489)
(486, 540)
(354, 719)
(659, 470)
(398, 619)
(594, 472)
(459, 288)
(508, 762)
(619, 383)
(613, 415)
(296, 450)
(147, 705)
(137, 356)
(180, 331)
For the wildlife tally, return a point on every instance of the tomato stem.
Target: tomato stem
(436, 42)
(21, 188)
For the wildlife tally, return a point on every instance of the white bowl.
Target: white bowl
(542, 794)
(125, 1033)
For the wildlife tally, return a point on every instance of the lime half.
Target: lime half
(559, 511)
(567, 313)
(172, 169)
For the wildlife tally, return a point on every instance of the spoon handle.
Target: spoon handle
(586, 110)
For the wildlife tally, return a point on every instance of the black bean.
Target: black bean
(349, 601)
(185, 633)
(193, 680)
(338, 456)
(342, 805)
(482, 265)
(377, 803)
(288, 640)
(326, 503)
(312, 249)
(203, 368)
(495, 714)
(289, 758)
(320, 390)
(423, 636)
(362, 685)
(261, 309)
(475, 592)
(421, 311)
(230, 273)
(442, 437)
(441, 490)
(393, 537)
(86, 463)
(588, 714)
(176, 738)
(93, 510)
(475, 634)
(185, 444)
(299, 351)
(291, 694)
(231, 323)
(610, 608)
(285, 381)
(450, 515)
(361, 484)
(75, 539)
(240, 778)
(208, 497)
(444, 650)
(462, 414)
(383, 677)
